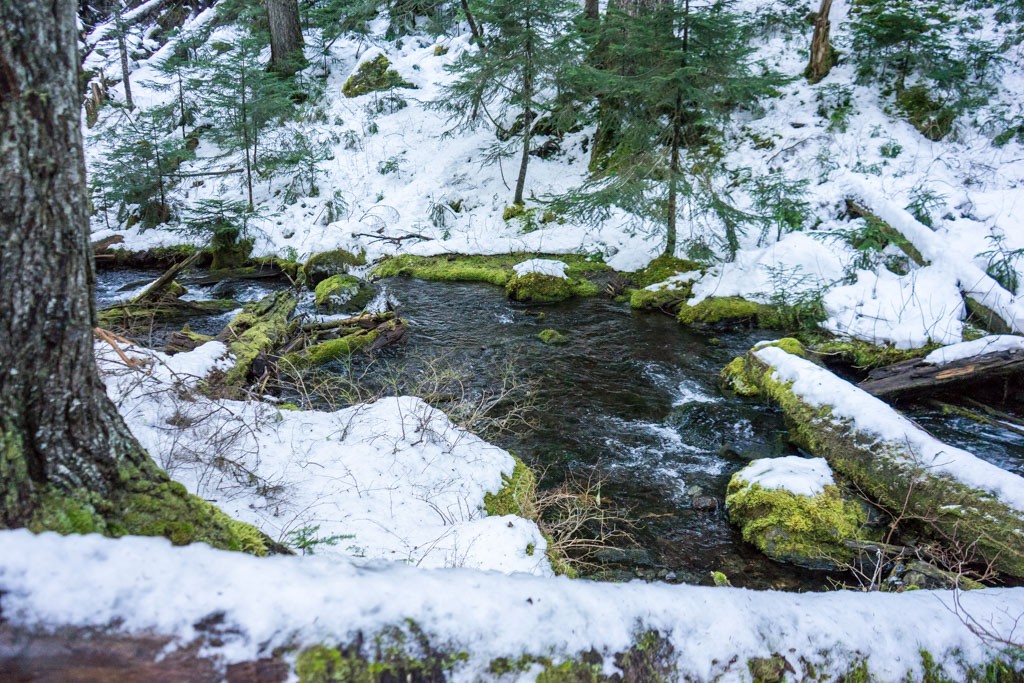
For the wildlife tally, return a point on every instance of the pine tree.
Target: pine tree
(668, 76)
(242, 97)
(516, 70)
(139, 169)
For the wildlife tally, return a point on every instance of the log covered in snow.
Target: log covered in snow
(959, 500)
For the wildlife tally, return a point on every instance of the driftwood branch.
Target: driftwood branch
(916, 377)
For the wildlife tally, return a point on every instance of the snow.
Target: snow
(393, 479)
(799, 476)
(541, 266)
(979, 347)
(144, 585)
(794, 266)
(675, 281)
(907, 311)
(873, 417)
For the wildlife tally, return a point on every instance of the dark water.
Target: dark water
(632, 401)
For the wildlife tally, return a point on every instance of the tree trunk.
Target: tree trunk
(67, 459)
(122, 47)
(57, 427)
(473, 27)
(822, 55)
(285, 36)
(591, 11)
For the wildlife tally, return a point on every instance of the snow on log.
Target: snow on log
(993, 357)
(947, 492)
(318, 614)
(1001, 311)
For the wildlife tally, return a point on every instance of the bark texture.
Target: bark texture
(67, 459)
(57, 427)
(822, 53)
(285, 36)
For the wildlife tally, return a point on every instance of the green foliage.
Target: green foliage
(135, 176)
(225, 226)
(668, 76)
(373, 76)
(835, 103)
(923, 202)
(242, 99)
(336, 18)
(932, 118)
(307, 539)
(1002, 262)
(528, 44)
(780, 203)
(518, 493)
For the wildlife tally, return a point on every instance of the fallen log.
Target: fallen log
(258, 329)
(156, 291)
(100, 246)
(982, 360)
(132, 318)
(945, 493)
(341, 338)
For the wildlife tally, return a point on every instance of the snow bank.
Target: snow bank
(873, 417)
(145, 585)
(795, 265)
(907, 311)
(800, 476)
(393, 479)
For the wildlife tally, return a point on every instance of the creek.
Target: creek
(629, 406)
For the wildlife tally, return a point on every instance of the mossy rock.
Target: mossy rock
(321, 266)
(374, 76)
(805, 530)
(553, 337)
(667, 299)
(343, 294)
(518, 493)
(725, 311)
(543, 289)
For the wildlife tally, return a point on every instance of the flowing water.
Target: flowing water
(631, 401)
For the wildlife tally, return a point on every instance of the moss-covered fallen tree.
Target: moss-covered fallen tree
(966, 504)
(259, 328)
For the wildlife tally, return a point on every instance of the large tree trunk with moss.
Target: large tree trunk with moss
(67, 459)
(970, 507)
(822, 53)
(285, 36)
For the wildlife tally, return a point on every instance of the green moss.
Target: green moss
(553, 337)
(668, 299)
(513, 211)
(13, 469)
(145, 507)
(440, 50)
(886, 473)
(661, 269)
(334, 349)
(539, 288)
(932, 118)
(374, 75)
(518, 493)
(343, 294)
(229, 252)
(862, 354)
(257, 329)
(768, 669)
(804, 530)
(495, 269)
(321, 266)
(734, 377)
(725, 309)
(789, 345)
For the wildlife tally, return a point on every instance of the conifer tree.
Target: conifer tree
(669, 74)
(516, 71)
(242, 97)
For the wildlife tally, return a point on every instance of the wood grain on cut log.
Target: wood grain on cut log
(912, 377)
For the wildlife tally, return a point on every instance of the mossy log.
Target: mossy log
(318, 344)
(944, 493)
(916, 377)
(258, 329)
(132, 317)
(165, 282)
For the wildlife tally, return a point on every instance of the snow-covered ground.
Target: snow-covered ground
(145, 585)
(393, 479)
